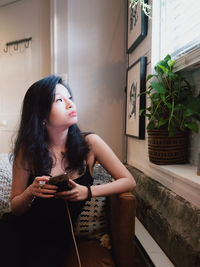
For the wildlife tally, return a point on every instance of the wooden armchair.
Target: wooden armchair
(121, 216)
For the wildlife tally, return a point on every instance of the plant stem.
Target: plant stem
(171, 114)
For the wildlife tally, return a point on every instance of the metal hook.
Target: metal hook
(16, 44)
(27, 44)
(6, 49)
(16, 47)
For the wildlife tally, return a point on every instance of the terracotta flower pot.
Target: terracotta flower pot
(165, 149)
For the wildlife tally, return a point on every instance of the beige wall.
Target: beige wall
(96, 65)
(88, 48)
(137, 150)
(19, 69)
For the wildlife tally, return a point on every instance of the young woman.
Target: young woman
(50, 143)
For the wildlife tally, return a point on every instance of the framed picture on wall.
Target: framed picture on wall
(136, 84)
(136, 26)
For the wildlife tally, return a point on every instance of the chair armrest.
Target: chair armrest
(121, 216)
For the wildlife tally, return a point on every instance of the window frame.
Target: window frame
(183, 179)
(192, 57)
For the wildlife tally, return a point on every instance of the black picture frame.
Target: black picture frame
(137, 26)
(135, 85)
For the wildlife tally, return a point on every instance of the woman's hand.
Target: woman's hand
(39, 188)
(77, 193)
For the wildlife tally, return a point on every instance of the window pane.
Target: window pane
(180, 21)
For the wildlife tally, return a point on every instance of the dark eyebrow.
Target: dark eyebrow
(70, 96)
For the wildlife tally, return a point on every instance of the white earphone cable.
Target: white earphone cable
(73, 236)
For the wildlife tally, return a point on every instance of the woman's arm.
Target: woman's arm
(124, 181)
(22, 195)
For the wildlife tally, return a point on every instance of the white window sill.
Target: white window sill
(189, 60)
(180, 179)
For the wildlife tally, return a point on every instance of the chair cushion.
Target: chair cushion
(92, 222)
(5, 183)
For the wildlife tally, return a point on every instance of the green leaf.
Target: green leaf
(189, 112)
(171, 131)
(149, 108)
(151, 125)
(167, 58)
(148, 115)
(163, 98)
(141, 111)
(173, 76)
(162, 121)
(193, 104)
(179, 107)
(164, 62)
(158, 70)
(193, 126)
(165, 70)
(158, 87)
(149, 77)
(169, 105)
(170, 63)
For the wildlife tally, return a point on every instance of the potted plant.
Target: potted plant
(172, 112)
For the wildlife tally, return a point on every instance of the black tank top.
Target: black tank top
(48, 218)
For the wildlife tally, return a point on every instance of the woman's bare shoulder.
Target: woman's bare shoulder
(92, 138)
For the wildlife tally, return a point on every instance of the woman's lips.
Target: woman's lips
(72, 114)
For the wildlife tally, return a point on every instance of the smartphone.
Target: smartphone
(62, 181)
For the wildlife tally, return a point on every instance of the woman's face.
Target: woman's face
(63, 110)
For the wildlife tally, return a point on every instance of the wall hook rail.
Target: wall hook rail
(16, 43)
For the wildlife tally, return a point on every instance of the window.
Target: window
(175, 28)
(175, 31)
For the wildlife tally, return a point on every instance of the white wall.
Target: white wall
(96, 64)
(19, 69)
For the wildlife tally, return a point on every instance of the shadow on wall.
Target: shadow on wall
(110, 78)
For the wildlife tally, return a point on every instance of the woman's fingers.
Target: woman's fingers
(78, 192)
(40, 188)
(47, 191)
(44, 195)
(41, 179)
(44, 190)
(66, 193)
(72, 183)
(49, 186)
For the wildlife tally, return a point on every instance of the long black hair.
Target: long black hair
(32, 139)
